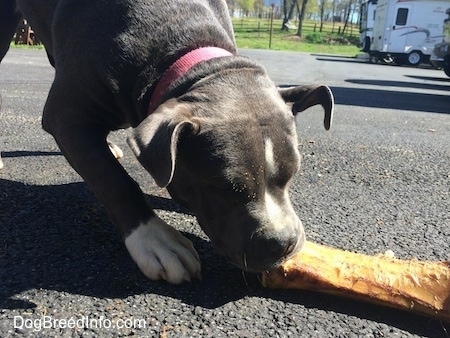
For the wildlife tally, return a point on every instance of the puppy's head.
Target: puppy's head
(231, 159)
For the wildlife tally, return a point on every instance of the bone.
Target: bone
(413, 285)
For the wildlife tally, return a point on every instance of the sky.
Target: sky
(269, 2)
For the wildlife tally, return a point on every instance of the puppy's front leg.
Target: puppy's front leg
(160, 251)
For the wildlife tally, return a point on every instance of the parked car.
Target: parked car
(440, 57)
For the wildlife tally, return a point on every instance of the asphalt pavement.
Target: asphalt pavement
(379, 180)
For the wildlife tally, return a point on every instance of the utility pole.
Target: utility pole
(271, 25)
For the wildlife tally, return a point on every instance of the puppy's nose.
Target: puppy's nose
(264, 251)
(276, 248)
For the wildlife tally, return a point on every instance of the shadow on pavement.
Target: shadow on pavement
(59, 238)
(19, 153)
(415, 324)
(429, 78)
(390, 99)
(427, 103)
(399, 84)
(341, 58)
(333, 56)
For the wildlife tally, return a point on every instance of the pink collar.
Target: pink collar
(179, 68)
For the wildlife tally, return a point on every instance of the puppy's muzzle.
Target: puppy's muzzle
(267, 249)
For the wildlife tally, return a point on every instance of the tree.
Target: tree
(288, 12)
(348, 11)
(311, 10)
(231, 6)
(323, 7)
(301, 15)
(259, 8)
(246, 5)
(335, 3)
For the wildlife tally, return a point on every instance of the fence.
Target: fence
(262, 26)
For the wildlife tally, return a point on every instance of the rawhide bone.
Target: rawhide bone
(418, 286)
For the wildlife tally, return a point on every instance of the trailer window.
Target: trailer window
(402, 16)
(363, 18)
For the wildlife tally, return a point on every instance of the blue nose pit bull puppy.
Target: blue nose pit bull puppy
(207, 124)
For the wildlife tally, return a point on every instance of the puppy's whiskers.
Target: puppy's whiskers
(244, 278)
(245, 269)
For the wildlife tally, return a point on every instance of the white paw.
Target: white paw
(116, 151)
(161, 252)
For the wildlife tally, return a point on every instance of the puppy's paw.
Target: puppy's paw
(116, 151)
(161, 252)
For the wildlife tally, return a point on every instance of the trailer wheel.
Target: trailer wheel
(414, 58)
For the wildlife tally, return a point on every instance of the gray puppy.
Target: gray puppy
(207, 124)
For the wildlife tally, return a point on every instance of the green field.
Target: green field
(255, 33)
(23, 46)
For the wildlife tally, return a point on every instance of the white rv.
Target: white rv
(366, 21)
(406, 31)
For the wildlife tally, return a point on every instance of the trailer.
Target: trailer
(366, 22)
(406, 31)
(440, 58)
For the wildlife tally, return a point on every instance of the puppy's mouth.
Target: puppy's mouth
(254, 263)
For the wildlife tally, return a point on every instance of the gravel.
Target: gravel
(379, 180)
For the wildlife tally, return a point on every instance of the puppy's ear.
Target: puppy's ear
(304, 97)
(154, 141)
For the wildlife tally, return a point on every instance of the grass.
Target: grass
(255, 33)
(24, 46)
